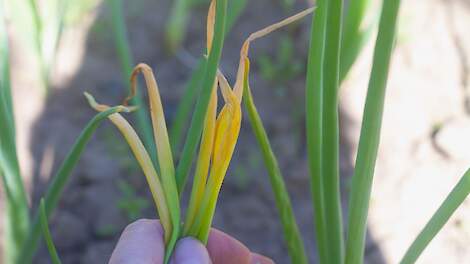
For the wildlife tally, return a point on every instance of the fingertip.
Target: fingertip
(152, 226)
(224, 249)
(140, 242)
(190, 251)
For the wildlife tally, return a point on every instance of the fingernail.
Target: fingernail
(190, 251)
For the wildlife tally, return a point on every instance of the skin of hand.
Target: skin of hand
(142, 243)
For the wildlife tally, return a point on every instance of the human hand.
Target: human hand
(142, 243)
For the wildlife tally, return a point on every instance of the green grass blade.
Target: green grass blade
(12, 235)
(47, 234)
(197, 121)
(176, 26)
(355, 35)
(125, 58)
(52, 27)
(5, 83)
(330, 134)
(287, 4)
(185, 106)
(295, 245)
(438, 220)
(370, 134)
(26, 18)
(236, 8)
(17, 210)
(37, 25)
(314, 105)
(59, 181)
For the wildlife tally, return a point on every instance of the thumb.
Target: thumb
(190, 251)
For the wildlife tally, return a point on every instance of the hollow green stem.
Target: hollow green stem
(292, 235)
(370, 134)
(330, 134)
(17, 210)
(313, 110)
(441, 216)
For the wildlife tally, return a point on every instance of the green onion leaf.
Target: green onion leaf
(370, 134)
(441, 216)
(313, 110)
(330, 134)
(47, 234)
(59, 181)
(292, 235)
(17, 210)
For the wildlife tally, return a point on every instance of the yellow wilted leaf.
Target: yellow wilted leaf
(144, 161)
(238, 87)
(202, 167)
(210, 25)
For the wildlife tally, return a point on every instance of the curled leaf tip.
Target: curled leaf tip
(265, 31)
(141, 67)
(91, 101)
(238, 87)
(101, 107)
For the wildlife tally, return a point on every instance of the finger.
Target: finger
(190, 251)
(260, 259)
(224, 249)
(140, 243)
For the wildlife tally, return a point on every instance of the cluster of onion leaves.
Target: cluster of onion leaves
(219, 137)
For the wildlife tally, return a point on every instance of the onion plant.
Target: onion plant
(193, 86)
(328, 63)
(217, 142)
(17, 215)
(330, 58)
(216, 134)
(176, 24)
(41, 29)
(22, 232)
(41, 25)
